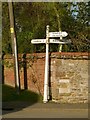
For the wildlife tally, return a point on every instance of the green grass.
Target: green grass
(10, 94)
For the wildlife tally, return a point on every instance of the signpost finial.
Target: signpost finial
(47, 26)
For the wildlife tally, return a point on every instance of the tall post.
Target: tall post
(14, 46)
(46, 87)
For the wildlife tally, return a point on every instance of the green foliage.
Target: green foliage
(7, 64)
(31, 20)
(81, 28)
(6, 42)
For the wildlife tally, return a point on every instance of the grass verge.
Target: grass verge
(10, 94)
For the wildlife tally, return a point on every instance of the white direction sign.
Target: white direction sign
(39, 41)
(58, 41)
(58, 34)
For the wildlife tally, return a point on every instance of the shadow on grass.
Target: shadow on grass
(12, 102)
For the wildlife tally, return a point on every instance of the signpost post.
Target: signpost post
(46, 86)
(47, 41)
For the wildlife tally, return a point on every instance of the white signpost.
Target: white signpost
(41, 41)
(58, 34)
(38, 41)
(47, 41)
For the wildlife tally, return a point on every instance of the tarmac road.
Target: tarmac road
(49, 110)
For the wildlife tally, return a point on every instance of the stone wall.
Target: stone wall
(69, 80)
(68, 73)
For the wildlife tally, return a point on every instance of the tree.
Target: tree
(31, 20)
(6, 43)
(81, 26)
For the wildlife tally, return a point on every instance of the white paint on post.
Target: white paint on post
(16, 59)
(46, 87)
